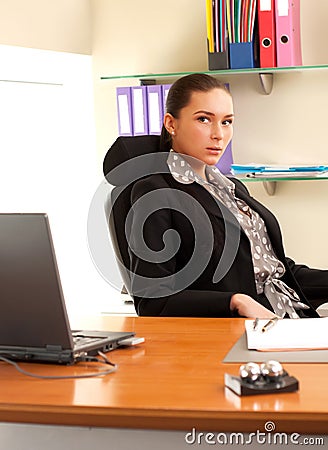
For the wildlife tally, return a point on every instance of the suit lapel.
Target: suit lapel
(210, 203)
(269, 219)
(217, 209)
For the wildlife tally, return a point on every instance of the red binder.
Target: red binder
(267, 33)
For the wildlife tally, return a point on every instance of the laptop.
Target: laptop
(34, 324)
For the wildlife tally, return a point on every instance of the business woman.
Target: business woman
(200, 245)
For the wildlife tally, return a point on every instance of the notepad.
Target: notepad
(288, 334)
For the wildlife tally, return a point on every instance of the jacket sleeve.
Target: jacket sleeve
(313, 282)
(157, 251)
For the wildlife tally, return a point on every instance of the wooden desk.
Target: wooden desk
(172, 381)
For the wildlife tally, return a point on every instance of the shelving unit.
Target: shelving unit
(266, 75)
(270, 183)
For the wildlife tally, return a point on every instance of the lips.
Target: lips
(214, 150)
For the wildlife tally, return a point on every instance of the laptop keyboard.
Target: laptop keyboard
(83, 340)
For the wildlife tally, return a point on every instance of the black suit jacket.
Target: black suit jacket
(217, 268)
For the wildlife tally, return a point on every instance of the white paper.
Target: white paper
(265, 5)
(288, 334)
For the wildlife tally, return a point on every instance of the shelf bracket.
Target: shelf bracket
(147, 82)
(266, 82)
(270, 187)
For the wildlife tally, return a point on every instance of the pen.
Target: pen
(269, 324)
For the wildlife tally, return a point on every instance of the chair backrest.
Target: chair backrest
(121, 176)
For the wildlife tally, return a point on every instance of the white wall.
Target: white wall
(47, 148)
(48, 157)
(60, 25)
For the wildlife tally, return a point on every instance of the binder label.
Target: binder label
(265, 5)
(154, 113)
(139, 113)
(283, 6)
(123, 103)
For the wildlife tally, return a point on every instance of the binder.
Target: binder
(288, 33)
(165, 91)
(139, 110)
(124, 111)
(267, 33)
(241, 20)
(226, 160)
(217, 41)
(155, 108)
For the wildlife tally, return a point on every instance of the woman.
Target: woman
(207, 248)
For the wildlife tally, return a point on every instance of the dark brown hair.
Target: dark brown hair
(179, 97)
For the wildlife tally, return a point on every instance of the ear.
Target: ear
(169, 123)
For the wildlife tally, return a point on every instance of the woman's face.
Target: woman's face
(204, 127)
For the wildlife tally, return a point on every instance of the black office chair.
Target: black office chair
(121, 170)
(118, 203)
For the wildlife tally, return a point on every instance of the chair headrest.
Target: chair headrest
(125, 161)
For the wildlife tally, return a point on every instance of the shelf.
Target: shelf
(265, 74)
(270, 183)
(218, 72)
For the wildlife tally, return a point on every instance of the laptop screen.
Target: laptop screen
(32, 307)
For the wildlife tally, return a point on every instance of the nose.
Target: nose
(217, 131)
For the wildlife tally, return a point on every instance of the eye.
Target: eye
(203, 119)
(227, 122)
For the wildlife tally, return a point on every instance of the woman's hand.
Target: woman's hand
(246, 306)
